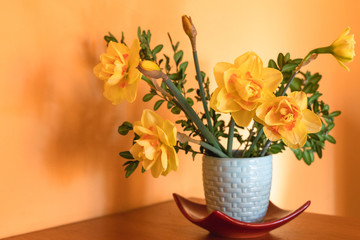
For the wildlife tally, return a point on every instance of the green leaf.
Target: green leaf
(296, 85)
(176, 76)
(189, 90)
(178, 57)
(143, 169)
(319, 151)
(287, 57)
(298, 153)
(276, 148)
(158, 104)
(314, 97)
(122, 38)
(139, 33)
(170, 104)
(176, 110)
(126, 154)
(193, 155)
(157, 49)
(330, 139)
(176, 46)
(280, 60)
(308, 157)
(125, 128)
(272, 64)
(183, 66)
(334, 114)
(130, 168)
(148, 97)
(308, 87)
(190, 101)
(289, 67)
(110, 38)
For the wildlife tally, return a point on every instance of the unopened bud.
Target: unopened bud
(190, 30)
(151, 70)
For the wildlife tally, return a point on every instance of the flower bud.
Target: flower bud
(188, 26)
(190, 30)
(151, 70)
(343, 48)
(149, 66)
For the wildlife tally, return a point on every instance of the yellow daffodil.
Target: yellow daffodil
(288, 118)
(242, 86)
(118, 69)
(343, 48)
(155, 148)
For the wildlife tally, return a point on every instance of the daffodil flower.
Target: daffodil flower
(242, 86)
(288, 118)
(155, 147)
(343, 48)
(118, 69)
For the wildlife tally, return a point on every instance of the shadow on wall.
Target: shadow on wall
(347, 166)
(80, 137)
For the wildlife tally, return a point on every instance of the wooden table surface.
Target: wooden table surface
(164, 221)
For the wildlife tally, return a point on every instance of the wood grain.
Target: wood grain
(164, 221)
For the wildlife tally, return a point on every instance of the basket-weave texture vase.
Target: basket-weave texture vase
(238, 187)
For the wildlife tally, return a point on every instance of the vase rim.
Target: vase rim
(236, 154)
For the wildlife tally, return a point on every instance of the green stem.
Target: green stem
(267, 145)
(288, 84)
(213, 149)
(260, 132)
(202, 92)
(192, 114)
(231, 137)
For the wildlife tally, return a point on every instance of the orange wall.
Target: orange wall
(59, 146)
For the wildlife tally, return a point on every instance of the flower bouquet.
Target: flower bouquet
(270, 107)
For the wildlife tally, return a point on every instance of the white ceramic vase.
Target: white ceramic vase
(238, 187)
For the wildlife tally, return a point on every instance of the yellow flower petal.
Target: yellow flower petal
(148, 150)
(136, 150)
(156, 169)
(115, 93)
(171, 131)
(164, 158)
(296, 137)
(272, 78)
(173, 161)
(226, 103)
(271, 133)
(300, 99)
(262, 110)
(162, 136)
(250, 62)
(243, 118)
(134, 57)
(213, 100)
(150, 119)
(311, 121)
(219, 71)
(140, 130)
(273, 118)
(130, 92)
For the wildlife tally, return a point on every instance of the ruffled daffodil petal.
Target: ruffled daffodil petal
(288, 118)
(243, 86)
(155, 147)
(118, 69)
